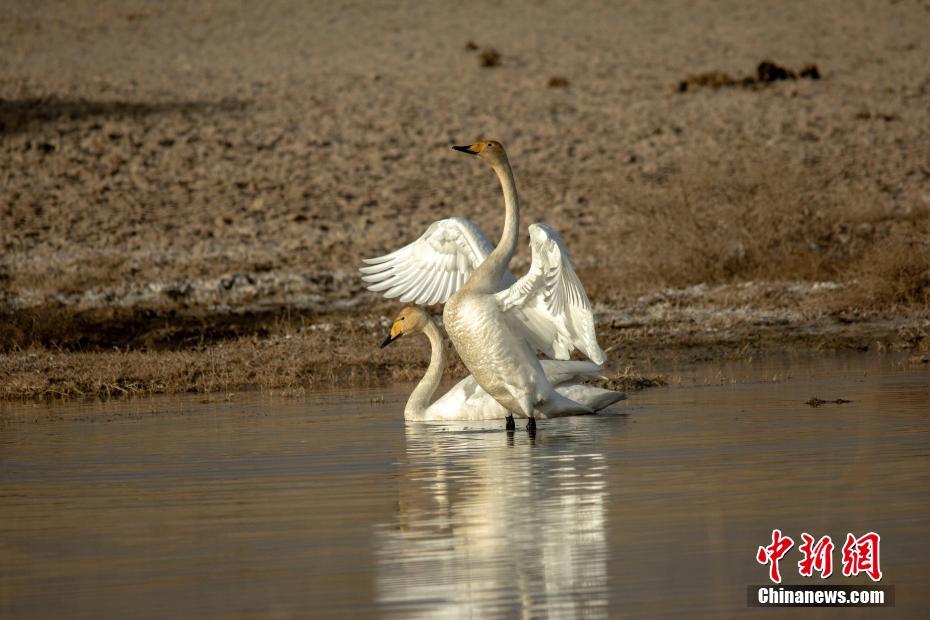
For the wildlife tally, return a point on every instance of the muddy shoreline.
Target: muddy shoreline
(113, 351)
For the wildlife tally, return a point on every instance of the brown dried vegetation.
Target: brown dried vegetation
(773, 219)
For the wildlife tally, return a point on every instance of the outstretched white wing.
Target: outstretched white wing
(432, 268)
(550, 302)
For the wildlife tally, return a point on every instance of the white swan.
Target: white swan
(466, 400)
(495, 321)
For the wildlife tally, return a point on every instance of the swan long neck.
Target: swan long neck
(423, 393)
(490, 273)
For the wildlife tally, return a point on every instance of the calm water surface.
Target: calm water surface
(332, 506)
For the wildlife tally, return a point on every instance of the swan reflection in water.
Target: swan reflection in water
(498, 524)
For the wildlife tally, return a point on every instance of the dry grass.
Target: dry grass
(769, 218)
(896, 271)
(326, 354)
(628, 379)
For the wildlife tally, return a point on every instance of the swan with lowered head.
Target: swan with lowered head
(466, 400)
(496, 322)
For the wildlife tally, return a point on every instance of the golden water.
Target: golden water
(331, 506)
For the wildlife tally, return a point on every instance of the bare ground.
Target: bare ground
(186, 190)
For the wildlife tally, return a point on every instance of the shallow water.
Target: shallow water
(333, 506)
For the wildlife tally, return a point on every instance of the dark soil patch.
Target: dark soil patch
(148, 329)
(767, 72)
(867, 116)
(816, 402)
(489, 57)
(19, 115)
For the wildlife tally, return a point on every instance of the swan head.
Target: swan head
(490, 151)
(410, 320)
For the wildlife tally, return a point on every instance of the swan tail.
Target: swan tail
(564, 371)
(594, 397)
(558, 405)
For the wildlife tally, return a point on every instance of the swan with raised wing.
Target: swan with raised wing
(496, 322)
(466, 400)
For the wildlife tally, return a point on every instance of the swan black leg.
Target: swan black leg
(531, 425)
(510, 424)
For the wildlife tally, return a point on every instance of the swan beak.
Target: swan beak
(396, 333)
(470, 149)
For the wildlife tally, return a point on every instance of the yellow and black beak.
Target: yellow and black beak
(470, 149)
(394, 335)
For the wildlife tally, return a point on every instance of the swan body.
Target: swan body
(496, 322)
(500, 361)
(466, 400)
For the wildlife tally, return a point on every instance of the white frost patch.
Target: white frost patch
(234, 291)
(721, 305)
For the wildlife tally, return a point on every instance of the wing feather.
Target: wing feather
(551, 302)
(432, 268)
